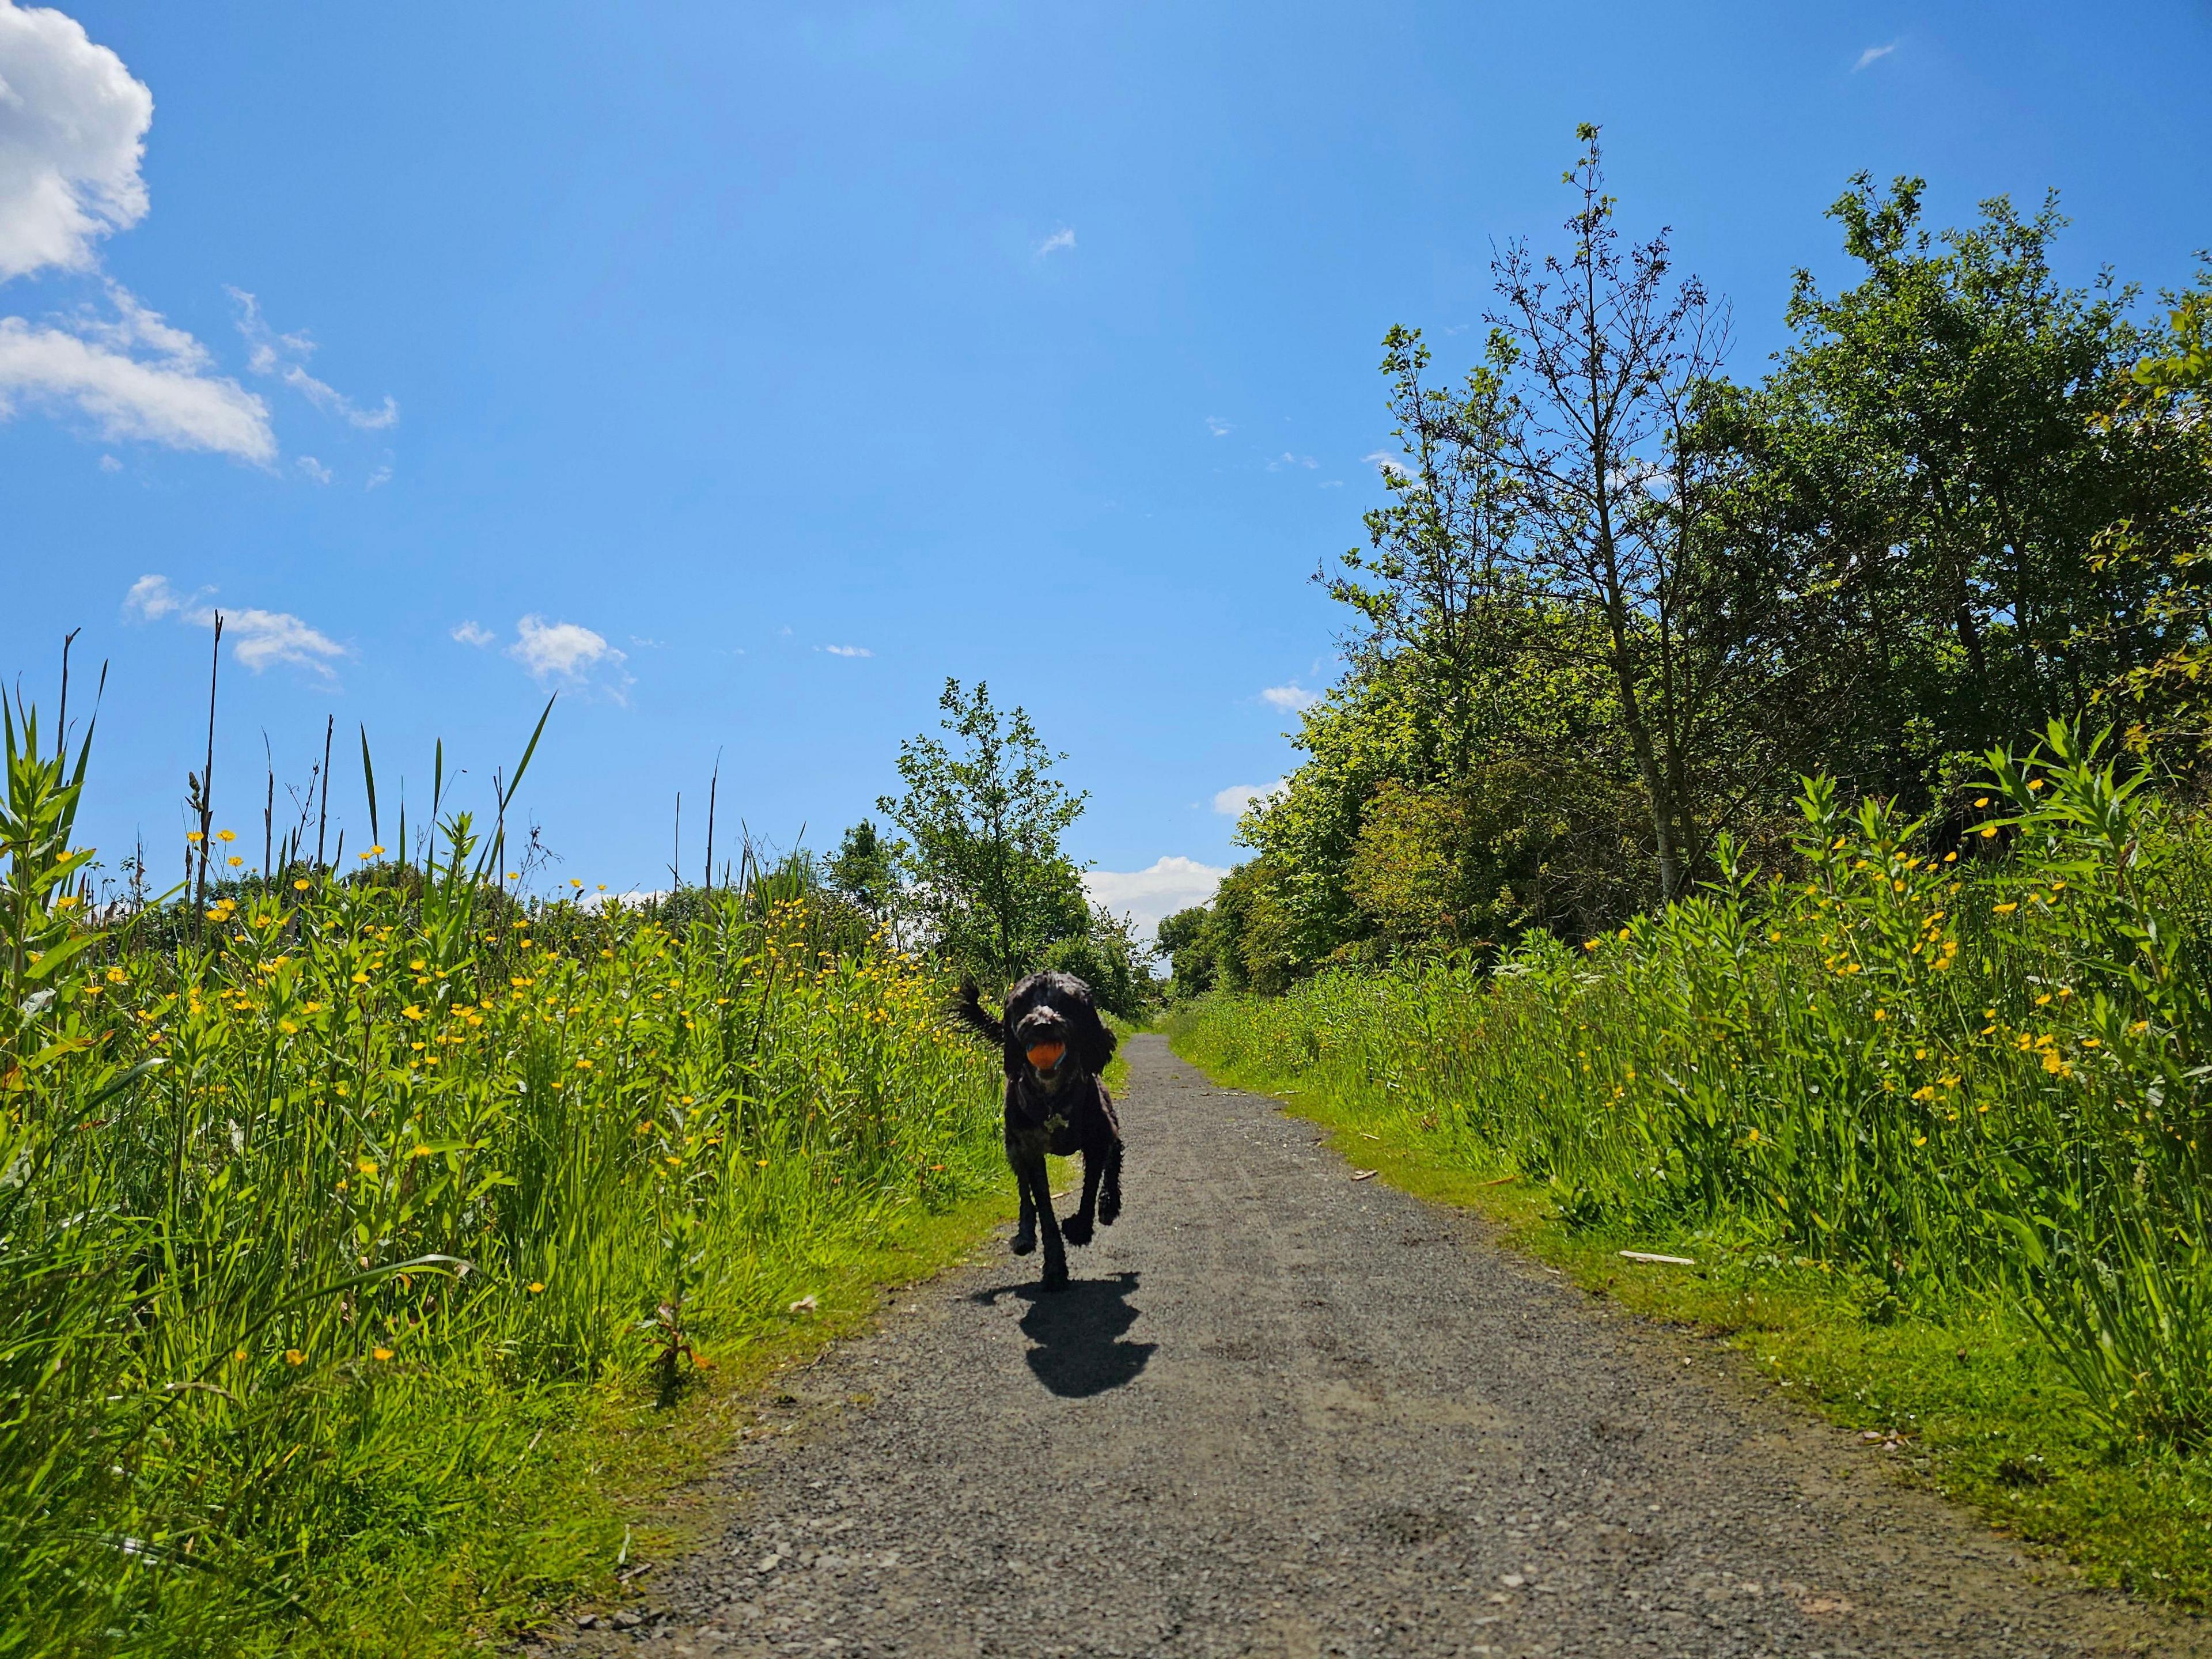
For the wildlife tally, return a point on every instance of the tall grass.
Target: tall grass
(1972, 1072)
(304, 1220)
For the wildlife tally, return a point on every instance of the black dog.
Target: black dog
(1055, 1045)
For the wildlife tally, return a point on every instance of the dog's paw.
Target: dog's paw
(1076, 1230)
(1024, 1242)
(1109, 1212)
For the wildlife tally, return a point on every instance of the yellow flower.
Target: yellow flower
(1981, 800)
(417, 964)
(294, 1356)
(380, 1353)
(234, 862)
(226, 835)
(358, 977)
(411, 1012)
(583, 1065)
(1950, 858)
(2006, 910)
(367, 1166)
(374, 850)
(536, 1286)
(301, 886)
(192, 835)
(2035, 783)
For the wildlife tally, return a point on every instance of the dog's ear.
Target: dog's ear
(968, 1009)
(1094, 1041)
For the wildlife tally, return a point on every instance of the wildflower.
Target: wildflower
(1950, 858)
(226, 835)
(1774, 936)
(763, 1164)
(1989, 831)
(234, 862)
(535, 1285)
(411, 1012)
(583, 1065)
(2006, 910)
(421, 1151)
(380, 1353)
(367, 1166)
(294, 1356)
(358, 977)
(2035, 783)
(2042, 999)
(192, 835)
(1925, 1091)
(301, 886)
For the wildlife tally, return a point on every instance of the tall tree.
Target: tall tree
(983, 817)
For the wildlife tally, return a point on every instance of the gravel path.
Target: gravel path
(1285, 1413)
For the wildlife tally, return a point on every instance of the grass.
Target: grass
(372, 1248)
(1928, 1122)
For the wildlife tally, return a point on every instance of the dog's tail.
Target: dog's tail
(968, 1010)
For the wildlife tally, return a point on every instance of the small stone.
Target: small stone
(1512, 1581)
(587, 1621)
(626, 1620)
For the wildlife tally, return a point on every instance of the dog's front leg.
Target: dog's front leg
(1036, 1188)
(1025, 1229)
(1077, 1227)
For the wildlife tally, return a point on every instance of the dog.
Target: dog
(1055, 1045)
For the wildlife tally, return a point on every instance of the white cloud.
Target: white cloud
(257, 638)
(1872, 55)
(1237, 800)
(150, 599)
(470, 634)
(1218, 427)
(1383, 461)
(285, 355)
(563, 651)
(167, 399)
(1289, 698)
(315, 470)
(1171, 884)
(1287, 460)
(379, 478)
(1058, 240)
(848, 651)
(72, 132)
(262, 637)
(109, 464)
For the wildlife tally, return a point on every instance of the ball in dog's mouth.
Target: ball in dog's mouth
(1046, 1055)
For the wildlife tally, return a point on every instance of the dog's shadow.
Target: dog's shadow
(1075, 1334)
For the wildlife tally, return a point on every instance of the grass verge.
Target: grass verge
(1972, 1404)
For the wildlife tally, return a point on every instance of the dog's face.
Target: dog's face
(1042, 1036)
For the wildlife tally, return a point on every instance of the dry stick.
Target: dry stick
(268, 813)
(207, 779)
(676, 861)
(61, 720)
(323, 812)
(713, 784)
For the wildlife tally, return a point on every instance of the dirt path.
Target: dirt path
(1283, 1412)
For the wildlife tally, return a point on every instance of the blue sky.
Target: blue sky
(743, 371)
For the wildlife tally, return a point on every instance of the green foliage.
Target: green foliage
(1613, 603)
(983, 822)
(310, 1231)
(1950, 1072)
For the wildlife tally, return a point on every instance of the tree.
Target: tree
(865, 868)
(1946, 442)
(984, 822)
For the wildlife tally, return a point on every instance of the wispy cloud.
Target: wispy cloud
(1289, 698)
(848, 650)
(1059, 241)
(315, 470)
(470, 633)
(1237, 799)
(1872, 55)
(1286, 461)
(134, 378)
(285, 355)
(1383, 461)
(379, 478)
(1218, 427)
(258, 638)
